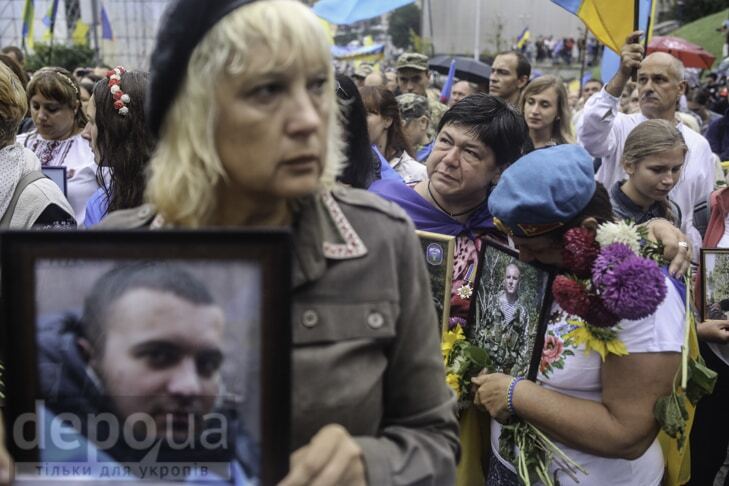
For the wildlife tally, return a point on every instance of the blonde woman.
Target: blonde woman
(370, 403)
(545, 107)
(653, 158)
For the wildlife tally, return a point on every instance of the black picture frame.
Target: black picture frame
(438, 252)
(267, 251)
(526, 352)
(714, 283)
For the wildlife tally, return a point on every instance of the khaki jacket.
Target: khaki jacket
(365, 336)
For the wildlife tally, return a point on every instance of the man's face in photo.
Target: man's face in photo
(511, 279)
(162, 357)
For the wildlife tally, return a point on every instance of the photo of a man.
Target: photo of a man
(136, 376)
(508, 304)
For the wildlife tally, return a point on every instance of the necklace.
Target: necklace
(453, 215)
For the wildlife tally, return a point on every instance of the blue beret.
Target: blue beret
(183, 26)
(543, 190)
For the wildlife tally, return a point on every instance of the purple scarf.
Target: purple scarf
(426, 216)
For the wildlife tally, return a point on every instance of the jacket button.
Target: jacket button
(309, 318)
(375, 320)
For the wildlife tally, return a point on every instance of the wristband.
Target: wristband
(510, 394)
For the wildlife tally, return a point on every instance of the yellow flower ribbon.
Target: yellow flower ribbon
(454, 382)
(604, 343)
(450, 338)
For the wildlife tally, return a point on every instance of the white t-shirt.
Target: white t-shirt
(76, 155)
(409, 169)
(567, 369)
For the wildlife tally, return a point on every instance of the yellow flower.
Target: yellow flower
(582, 335)
(450, 338)
(455, 383)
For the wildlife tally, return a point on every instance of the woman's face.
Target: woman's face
(53, 119)
(540, 109)
(654, 176)
(461, 167)
(90, 131)
(377, 126)
(271, 127)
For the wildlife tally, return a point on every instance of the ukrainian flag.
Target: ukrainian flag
(523, 37)
(28, 18)
(610, 21)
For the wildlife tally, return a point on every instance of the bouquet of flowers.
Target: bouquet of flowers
(609, 281)
(463, 361)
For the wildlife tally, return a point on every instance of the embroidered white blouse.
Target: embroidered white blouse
(76, 155)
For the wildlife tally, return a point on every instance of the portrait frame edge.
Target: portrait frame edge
(450, 243)
(544, 309)
(270, 250)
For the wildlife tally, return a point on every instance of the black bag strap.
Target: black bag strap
(24, 182)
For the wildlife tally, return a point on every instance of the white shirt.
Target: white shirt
(409, 169)
(603, 134)
(76, 155)
(566, 369)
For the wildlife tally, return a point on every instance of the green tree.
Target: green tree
(69, 57)
(402, 22)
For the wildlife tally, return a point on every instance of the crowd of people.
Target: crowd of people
(242, 122)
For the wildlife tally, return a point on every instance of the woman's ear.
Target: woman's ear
(388, 122)
(629, 168)
(590, 224)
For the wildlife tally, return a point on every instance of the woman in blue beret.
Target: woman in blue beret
(598, 410)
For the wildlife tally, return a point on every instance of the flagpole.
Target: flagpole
(95, 30)
(476, 50)
(583, 63)
(52, 28)
(636, 26)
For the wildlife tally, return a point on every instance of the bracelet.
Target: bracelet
(510, 394)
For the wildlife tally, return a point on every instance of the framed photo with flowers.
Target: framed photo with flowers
(714, 284)
(438, 252)
(509, 310)
(147, 356)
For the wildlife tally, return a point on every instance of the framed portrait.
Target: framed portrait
(714, 284)
(509, 310)
(154, 356)
(438, 251)
(58, 175)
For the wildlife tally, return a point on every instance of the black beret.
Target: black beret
(183, 26)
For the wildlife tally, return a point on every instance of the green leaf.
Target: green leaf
(671, 413)
(701, 381)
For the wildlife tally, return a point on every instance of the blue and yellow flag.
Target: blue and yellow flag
(49, 20)
(28, 17)
(106, 32)
(523, 38)
(610, 21)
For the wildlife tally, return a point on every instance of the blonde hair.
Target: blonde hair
(652, 137)
(13, 105)
(562, 125)
(185, 170)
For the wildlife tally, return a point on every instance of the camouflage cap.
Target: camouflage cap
(412, 60)
(412, 106)
(363, 70)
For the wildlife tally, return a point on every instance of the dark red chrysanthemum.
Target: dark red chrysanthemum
(571, 296)
(598, 315)
(579, 251)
